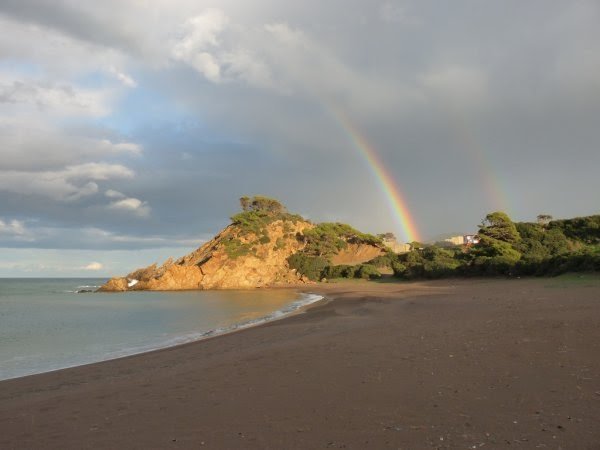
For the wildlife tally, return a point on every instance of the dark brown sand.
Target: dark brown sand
(449, 364)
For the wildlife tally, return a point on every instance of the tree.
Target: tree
(260, 203)
(245, 203)
(495, 253)
(497, 225)
(544, 219)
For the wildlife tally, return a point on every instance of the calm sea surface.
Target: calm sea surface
(45, 325)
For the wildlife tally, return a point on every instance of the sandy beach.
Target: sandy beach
(447, 364)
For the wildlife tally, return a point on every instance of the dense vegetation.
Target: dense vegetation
(257, 213)
(321, 243)
(327, 239)
(513, 249)
(546, 247)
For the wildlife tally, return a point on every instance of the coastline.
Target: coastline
(446, 364)
(302, 301)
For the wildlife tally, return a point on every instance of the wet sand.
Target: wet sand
(448, 364)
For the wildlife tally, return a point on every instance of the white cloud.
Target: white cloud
(109, 239)
(43, 96)
(278, 57)
(32, 143)
(131, 205)
(120, 147)
(13, 227)
(122, 77)
(97, 171)
(198, 36)
(285, 34)
(93, 266)
(68, 184)
(114, 194)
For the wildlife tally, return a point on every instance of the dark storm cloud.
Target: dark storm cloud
(73, 18)
(472, 107)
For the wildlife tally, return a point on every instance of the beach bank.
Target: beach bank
(445, 364)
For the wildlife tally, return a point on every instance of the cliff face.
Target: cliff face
(235, 258)
(355, 254)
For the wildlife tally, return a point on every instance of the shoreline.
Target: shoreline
(275, 315)
(443, 364)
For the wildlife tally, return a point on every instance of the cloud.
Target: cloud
(199, 35)
(395, 13)
(282, 59)
(131, 205)
(32, 143)
(120, 147)
(111, 193)
(39, 235)
(460, 85)
(122, 77)
(69, 184)
(93, 266)
(83, 22)
(58, 98)
(13, 227)
(244, 95)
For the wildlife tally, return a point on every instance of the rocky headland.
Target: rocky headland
(263, 246)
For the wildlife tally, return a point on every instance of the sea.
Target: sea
(48, 323)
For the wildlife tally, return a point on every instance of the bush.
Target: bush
(252, 221)
(399, 269)
(234, 248)
(310, 266)
(384, 261)
(367, 271)
(583, 229)
(279, 243)
(327, 239)
(341, 271)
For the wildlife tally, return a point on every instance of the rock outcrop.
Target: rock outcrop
(236, 258)
(264, 246)
(355, 254)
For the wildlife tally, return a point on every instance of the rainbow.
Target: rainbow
(389, 188)
(478, 155)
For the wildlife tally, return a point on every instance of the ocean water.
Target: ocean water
(46, 325)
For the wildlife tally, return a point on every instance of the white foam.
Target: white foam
(132, 283)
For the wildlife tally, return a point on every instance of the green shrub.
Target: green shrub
(279, 243)
(367, 271)
(327, 239)
(310, 266)
(341, 271)
(384, 261)
(234, 248)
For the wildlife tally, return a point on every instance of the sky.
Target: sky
(130, 128)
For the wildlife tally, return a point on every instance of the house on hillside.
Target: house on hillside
(456, 240)
(471, 239)
(465, 239)
(390, 241)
